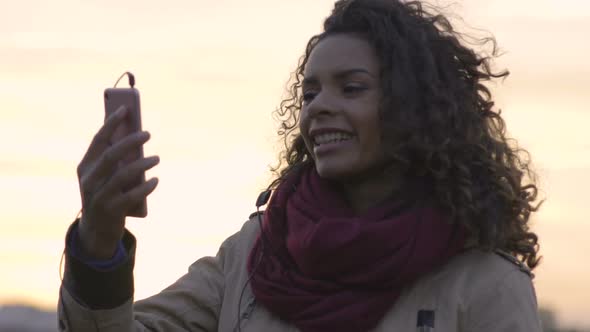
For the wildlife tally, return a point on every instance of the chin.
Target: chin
(334, 171)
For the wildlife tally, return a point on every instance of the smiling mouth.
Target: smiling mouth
(331, 138)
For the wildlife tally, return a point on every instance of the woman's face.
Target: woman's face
(340, 113)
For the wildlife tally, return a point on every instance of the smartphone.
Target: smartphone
(129, 97)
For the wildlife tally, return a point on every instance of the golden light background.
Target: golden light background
(210, 74)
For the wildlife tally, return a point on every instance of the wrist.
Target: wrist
(93, 246)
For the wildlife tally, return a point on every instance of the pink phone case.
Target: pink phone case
(113, 99)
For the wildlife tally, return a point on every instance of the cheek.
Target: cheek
(303, 121)
(371, 137)
(303, 129)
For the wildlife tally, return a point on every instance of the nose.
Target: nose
(323, 104)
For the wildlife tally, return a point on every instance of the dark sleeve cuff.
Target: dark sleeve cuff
(98, 288)
(73, 246)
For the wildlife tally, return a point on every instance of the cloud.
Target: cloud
(26, 319)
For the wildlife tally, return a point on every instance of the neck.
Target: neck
(364, 192)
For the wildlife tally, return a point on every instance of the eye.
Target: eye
(353, 89)
(308, 96)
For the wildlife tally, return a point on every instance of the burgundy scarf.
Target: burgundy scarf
(325, 269)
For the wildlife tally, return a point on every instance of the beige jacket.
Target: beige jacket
(475, 291)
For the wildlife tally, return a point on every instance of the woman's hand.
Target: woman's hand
(104, 204)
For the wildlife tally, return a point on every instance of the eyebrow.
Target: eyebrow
(338, 75)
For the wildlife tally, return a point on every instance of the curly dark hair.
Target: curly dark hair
(437, 119)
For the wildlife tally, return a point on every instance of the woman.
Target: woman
(402, 205)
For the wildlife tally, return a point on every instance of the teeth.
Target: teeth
(330, 138)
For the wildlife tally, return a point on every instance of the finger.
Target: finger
(109, 160)
(130, 199)
(101, 140)
(126, 176)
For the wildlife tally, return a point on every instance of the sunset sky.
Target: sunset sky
(210, 74)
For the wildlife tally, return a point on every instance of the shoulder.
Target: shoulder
(492, 263)
(251, 227)
(247, 233)
(476, 275)
(495, 290)
(521, 266)
(236, 248)
(479, 270)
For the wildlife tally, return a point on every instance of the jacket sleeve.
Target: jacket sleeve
(93, 300)
(508, 306)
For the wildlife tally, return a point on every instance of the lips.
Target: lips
(330, 137)
(333, 146)
(327, 135)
